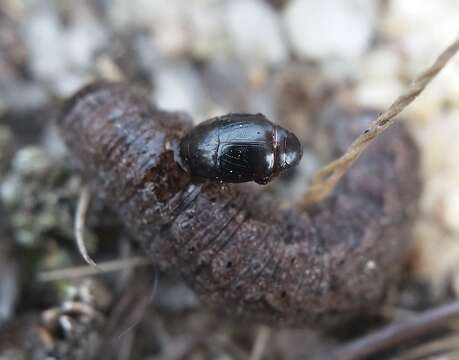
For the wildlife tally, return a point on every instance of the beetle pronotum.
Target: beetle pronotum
(234, 246)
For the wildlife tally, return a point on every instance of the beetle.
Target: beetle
(237, 148)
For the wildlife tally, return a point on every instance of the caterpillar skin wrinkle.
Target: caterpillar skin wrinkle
(234, 246)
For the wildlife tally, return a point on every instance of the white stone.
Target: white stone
(69, 82)
(179, 88)
(377, 93)
(62, 56)
(32, 160)
(338, 70)
(10, 190)
(438, 139)
(332, 28)
(53, 142)
(208, 36)
(254, 30)
(81, 43)
(423, 27)
(45, 41)
(381, 64)
(165, 19)
(141, 12)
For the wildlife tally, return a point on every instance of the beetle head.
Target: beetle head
(290, 149)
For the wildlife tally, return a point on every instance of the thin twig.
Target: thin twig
(126, 347)
(83, 271)
(261, 341)
(448, 344)
(227, 345)
(326, 179)
(128, 311)
(394, 334)
(141, 308)
(80, 221)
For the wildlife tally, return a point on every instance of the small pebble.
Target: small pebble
(167, 24)
(62, 56)
(46, 43)
(82, 41)
(179, 88)
(254, 29)
(333, 28)
(208, 37)
(10, 190)
(381, 63)
(377, 93)
(175, 296)
(32, 160)
(423, 28)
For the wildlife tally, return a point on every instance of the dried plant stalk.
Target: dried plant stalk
(102, 268)
(396, 333)
(80, 221)
(326, 179)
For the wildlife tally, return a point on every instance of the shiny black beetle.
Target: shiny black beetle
(238, 148)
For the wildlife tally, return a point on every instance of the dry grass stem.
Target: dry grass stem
(80, 221)
(326, 179)
(396, 333)
(260, 344)
(444, 346)
(83, 271)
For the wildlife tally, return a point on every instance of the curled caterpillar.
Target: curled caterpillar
(237, 249)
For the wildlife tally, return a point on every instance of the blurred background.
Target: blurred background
(284, 58)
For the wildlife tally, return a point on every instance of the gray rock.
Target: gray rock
(333, 28)
(178, 87)
(254, 30)
(62, 56)
(32, 160)
(46, 43)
